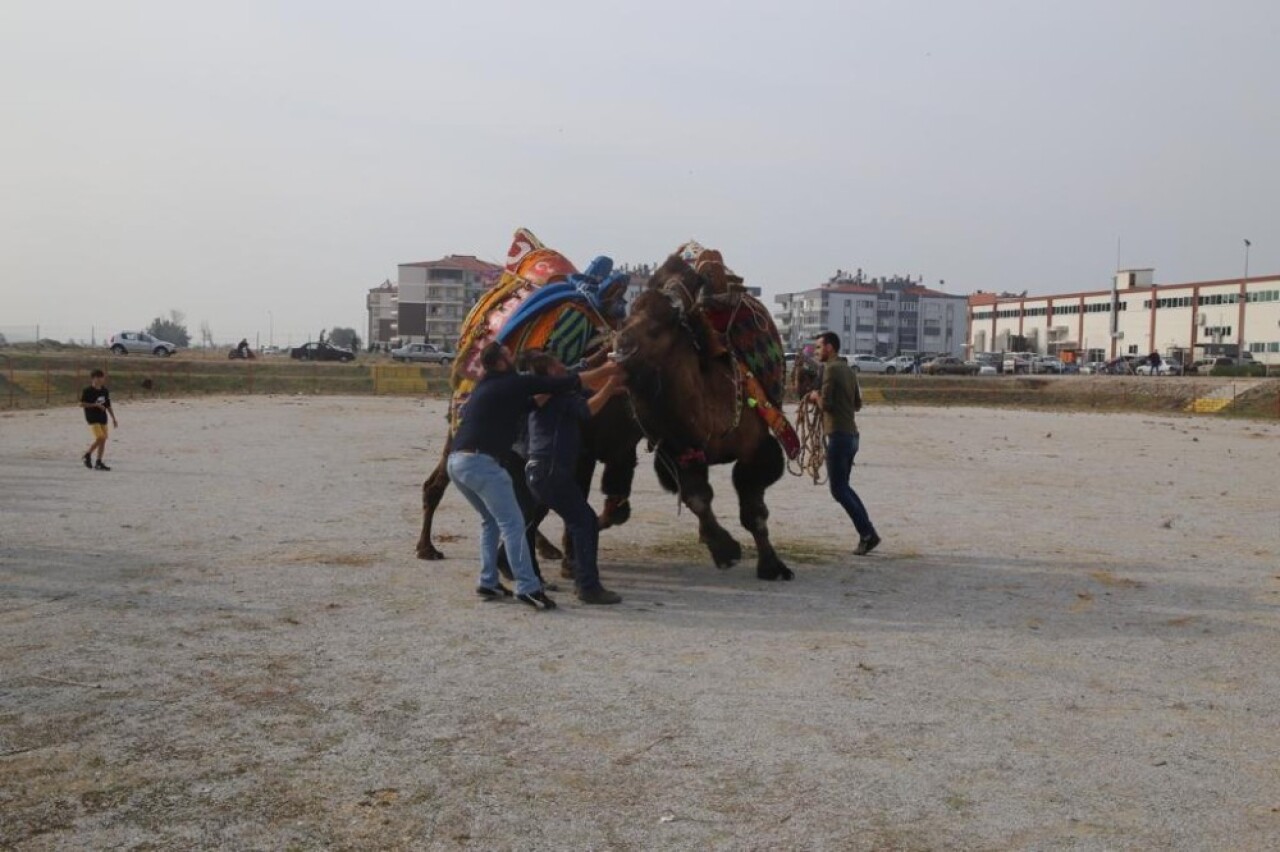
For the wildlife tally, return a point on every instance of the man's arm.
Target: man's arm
(611, 388)
(597, 377)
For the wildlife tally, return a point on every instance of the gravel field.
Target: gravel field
(1067, 640)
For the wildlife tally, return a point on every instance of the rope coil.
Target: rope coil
(812, 459)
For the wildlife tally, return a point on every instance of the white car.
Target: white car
(1166, 368)
(902, 364)
(870, 364)
(129, 342)
(424, 352)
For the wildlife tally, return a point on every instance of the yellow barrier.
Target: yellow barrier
(398, 379)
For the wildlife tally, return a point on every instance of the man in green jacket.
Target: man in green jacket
(839, 399)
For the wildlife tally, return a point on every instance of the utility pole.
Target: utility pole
(1244, 294)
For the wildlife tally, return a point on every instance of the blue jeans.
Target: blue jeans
(488, 489)
(841, 448)
(559, 491)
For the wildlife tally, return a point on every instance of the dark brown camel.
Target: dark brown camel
(688, 396)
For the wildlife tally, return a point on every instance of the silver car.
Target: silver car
(423, 352)
(139, 342)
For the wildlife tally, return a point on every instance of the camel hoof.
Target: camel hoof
(430, 554)
(547, 550)
(776, 571)
(616, 513)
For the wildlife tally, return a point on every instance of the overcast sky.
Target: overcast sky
(265, 163)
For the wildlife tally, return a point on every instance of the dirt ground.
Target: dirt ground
(1067, 640)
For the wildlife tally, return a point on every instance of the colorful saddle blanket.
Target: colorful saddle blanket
(540, 301)
(748, 329)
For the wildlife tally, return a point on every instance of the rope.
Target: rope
(812, 460)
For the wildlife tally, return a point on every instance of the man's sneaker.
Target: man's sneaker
(537, 600)
(496, 593)
(100, 466)
(87, 461)
(867, 545)
(599, 595)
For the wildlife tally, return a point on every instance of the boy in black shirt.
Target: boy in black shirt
(96, 402)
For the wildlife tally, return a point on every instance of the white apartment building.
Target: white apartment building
(435, 295)
(1184, 321)
(882, 316)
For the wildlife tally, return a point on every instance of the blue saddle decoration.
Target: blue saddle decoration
(595, 288)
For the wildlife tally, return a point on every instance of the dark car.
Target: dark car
(313, 351)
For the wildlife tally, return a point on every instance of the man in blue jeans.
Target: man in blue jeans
(555, 442)
(489, 422)
(840, 398)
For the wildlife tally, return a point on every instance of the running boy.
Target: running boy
(96, 402)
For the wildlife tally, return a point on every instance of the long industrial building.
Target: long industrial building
(1182, 321)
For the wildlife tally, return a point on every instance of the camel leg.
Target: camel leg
(750, 479)
(432, 493)
(696, 493)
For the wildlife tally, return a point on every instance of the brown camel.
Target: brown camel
(688, 391)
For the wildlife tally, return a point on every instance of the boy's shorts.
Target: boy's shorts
(99, 430)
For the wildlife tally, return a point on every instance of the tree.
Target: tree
(173, 329)
(346, 337)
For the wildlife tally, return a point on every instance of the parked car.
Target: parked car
(1166, 368)
(949, 365)
(1208, 366)
(427, 353)
(1046, 364)
(902, 364)
(139, 342)
(272, 350)
(312, 351)
(870, 364)
(1017, 362)
(1090, 368)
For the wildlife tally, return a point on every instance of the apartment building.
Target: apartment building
(878, 316)
(382, 304)
(1184, 321)
(435, 295)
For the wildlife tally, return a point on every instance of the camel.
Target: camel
(697, 395)
(542, 301)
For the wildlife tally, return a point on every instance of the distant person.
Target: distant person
(1154, 360)
(96, 402)
(243, 348)
(839, 399)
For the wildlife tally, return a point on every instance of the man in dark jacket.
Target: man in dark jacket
(489, 422)
(555, 442)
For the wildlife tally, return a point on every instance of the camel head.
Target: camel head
(663, 344)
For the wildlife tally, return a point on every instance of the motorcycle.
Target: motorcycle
(241, 355)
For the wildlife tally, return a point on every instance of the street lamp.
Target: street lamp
(271, 329)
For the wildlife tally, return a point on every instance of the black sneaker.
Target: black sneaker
(87, 461)
(496, 593)
(599, 595)
(537, 600)
(867, 545)
(100, 466)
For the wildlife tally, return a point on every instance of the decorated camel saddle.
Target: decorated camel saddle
(541, 301)
(743, 327)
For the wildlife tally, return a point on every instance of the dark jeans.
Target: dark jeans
(841, 448)
(555, 486)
